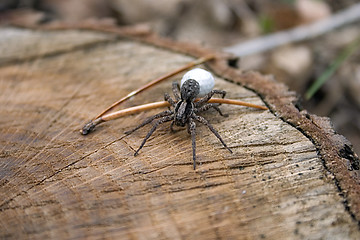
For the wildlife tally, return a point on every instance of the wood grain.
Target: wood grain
(56, 183)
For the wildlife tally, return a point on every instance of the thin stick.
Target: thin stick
(155, 81)
(271, 41)
(132, 110)
(236, 102)
(149, 106)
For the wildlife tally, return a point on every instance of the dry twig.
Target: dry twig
(297, 34)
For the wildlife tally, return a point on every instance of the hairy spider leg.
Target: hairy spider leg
(175, 90)
(149, 120)
(169, 99)
(205, 122)
(172, 102)
(192, 131)
(211, 105)
(157, 123)
(209, 95)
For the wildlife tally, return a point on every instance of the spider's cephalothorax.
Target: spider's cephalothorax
(184, 112)
(185, 107)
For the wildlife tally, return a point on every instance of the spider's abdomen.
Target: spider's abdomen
(203, 77)
(189, 90)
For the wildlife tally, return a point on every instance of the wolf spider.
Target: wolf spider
(184, 112)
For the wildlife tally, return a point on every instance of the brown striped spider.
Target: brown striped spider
(185, 112)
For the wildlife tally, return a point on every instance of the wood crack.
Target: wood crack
(57, 172)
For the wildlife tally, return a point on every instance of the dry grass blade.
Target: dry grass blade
(149, 106)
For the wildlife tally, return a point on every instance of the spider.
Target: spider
(185, 112)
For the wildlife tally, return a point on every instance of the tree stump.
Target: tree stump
(290, 175)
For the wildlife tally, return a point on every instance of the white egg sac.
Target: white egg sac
(203, 77)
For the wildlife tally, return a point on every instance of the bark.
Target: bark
(290, 175)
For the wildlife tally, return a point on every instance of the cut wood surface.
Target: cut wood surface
(289, 177)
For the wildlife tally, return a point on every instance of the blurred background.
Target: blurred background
(323, 69)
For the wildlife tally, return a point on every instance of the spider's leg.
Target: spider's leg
(211, 105)
(205, 122)
(209, 95)
(157, 123)
(169, 99)
(191, 129)
(175, 89)
(149, 120)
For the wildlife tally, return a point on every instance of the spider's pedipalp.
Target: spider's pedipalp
(172, 127)
(156, 124)
(149, 120)
(212, 129)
